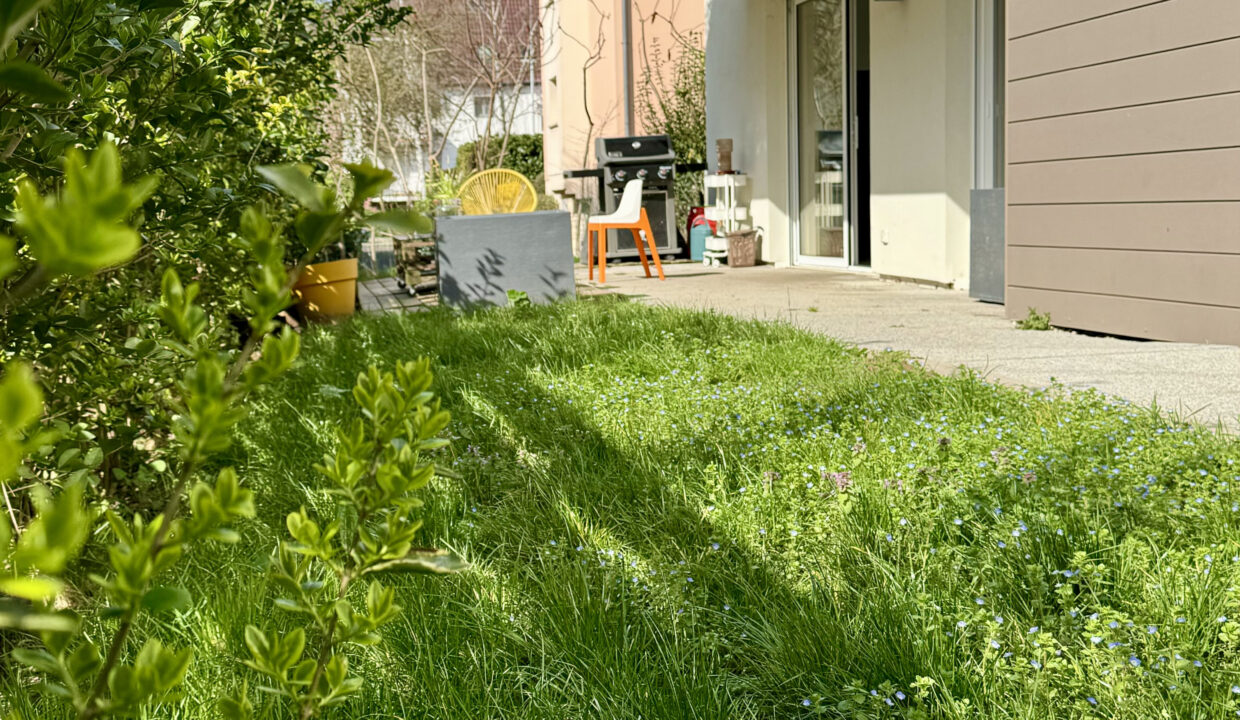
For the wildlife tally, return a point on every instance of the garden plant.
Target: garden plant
(693, 516)
(667, 514)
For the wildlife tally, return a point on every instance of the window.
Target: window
(482, 106)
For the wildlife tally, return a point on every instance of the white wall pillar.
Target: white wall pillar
(921, 76)
(747, 100)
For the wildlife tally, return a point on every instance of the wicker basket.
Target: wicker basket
(743, 248)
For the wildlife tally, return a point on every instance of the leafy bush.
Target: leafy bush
(524, 154)
(198, 94)
(1035, 321)
(82, 229)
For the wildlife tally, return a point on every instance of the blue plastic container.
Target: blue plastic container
(697, 241)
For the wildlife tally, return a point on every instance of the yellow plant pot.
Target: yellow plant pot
(327, 290)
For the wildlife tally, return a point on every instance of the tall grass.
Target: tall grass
(681, 515)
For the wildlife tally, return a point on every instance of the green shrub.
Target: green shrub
(197, 94)
(76, 656)
(1035, 321)
(524, 154)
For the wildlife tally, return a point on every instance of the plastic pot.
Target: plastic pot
(327, 290)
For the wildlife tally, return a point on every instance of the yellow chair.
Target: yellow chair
(492, 192)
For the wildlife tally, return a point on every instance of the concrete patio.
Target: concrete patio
(946, 329)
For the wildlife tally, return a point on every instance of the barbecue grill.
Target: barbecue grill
(649, 157)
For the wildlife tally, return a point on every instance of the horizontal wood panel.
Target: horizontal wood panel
(1201, 175)
(1177, 277)
(1212, 122)
(1029, 16)
(1185, 227)
(1149, 29)
(1151, 319)
(1190, 72)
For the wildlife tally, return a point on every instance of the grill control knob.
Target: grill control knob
(664, 172)
(621, 174)
(642, 173)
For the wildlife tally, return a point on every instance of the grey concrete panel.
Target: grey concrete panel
(482, 257)
(986, 245)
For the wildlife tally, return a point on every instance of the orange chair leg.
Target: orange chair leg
(602, 256)
(641, 251)
(658, 264)
(590, 251)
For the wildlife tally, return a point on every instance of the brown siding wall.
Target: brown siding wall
(1123, 177)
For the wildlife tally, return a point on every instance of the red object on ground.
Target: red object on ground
(697, 216)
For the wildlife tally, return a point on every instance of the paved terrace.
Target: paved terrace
(946, 329)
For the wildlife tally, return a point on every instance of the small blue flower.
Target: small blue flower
(805, 702)
(1091, 700)
(1095, 639)
(1036, 665)
(979, 601)
(994, 644)
(962, 624)
(900, 695)
(1034, 629)
(1134, 661)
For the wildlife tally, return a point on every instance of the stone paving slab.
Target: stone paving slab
(384, 295)
(947, 329)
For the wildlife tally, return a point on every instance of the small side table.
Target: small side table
(726, 211)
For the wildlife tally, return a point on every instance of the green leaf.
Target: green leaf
(31, 80)
(8, 256)
(237, 706)
(368, 180)
(56, 535)
(294, 181)
(316, 228)
(18, 615)
(400, 222)
(171, 44)
(15, 15)
(159, 600)
(21, 400)
(34, 589)
(40, 660)
(84, 227)
(439, 562)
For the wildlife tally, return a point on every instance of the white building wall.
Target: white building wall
(747, 100)
(921, 74)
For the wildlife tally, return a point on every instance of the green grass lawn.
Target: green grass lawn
(681, 515)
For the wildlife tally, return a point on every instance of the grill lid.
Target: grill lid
(634, 149)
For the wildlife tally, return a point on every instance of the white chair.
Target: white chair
(631, 216)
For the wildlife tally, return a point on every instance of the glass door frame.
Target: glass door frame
(850, 141)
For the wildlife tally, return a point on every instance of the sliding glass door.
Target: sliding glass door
(821, 82)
